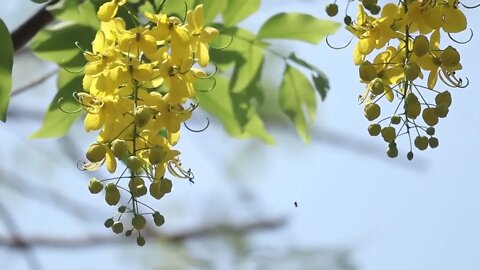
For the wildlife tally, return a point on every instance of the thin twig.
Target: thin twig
(35, 192)
(62, 242)
(12, 229)
(25, 32)
(33, 83)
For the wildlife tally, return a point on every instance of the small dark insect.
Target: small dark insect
(296, 204)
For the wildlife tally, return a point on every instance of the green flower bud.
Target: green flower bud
(108, 223)
(140, 241)
(96, 153)
(158, 219)
(134, 163)
(112, 195)
(372, 111)
(119, 148)
(138, 222)
(117, 227)
(332, 9)
(95, 185)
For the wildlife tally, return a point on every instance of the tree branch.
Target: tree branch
(61, 242)
(25, 32)
(34, 83)
(45, 195)
(12, 229)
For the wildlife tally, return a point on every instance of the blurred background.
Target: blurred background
(337, 203)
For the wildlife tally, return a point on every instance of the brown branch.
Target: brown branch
(34, 83)
(12, 229)
(61, 242)
(25, 32)
(38, 193)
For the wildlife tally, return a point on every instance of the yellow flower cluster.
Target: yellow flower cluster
(407, 39)
(136, 84)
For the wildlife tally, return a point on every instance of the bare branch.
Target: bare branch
(25, 32)
(61, 242)
(33, 83)
(45, 195)
(12, 229)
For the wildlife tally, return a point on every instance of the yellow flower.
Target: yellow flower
(423, 17)
(137, 40)
(108, 10)
(455, 20)
(200, 34)
(171, 29)
(373, 33)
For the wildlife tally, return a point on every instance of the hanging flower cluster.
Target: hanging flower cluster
(135, 89)
(406, 66)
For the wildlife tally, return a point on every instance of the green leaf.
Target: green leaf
(320, 80)
(6, 64)
(237, 10)
(297, 26)
(147, 6)
(176, 7)
(71, 11)
(248, 55)
(57, 44)
(56, 122)
(303, 63)
(297, 100)
(219, 103)
(211, 8)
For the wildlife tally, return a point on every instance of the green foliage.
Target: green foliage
(58, 44)
(6, 64)
(56, 122)
(297, 100)
(320, 80)
(212, 8)
(237, 11)
(220, 102)
(297, 26)
(238, 93)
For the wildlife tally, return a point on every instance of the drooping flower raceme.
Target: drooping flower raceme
(136, 87)
(404, 40)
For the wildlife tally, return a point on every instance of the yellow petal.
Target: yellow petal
(435, 39)
(160, 32)
(98, 44)
(107, 11)
(203, 54)
(198, 16)
(393, 76)
(433, 17)
(148, 44)
(159, 171)
(432, 79)
(358, 58)
(104, 84)
(365, 46)
(94, 121)
(110, 161)
(388, 93)
(173, 137)
(455, 20)
(87, 82)
(143, 72)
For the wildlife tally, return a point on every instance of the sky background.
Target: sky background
(394, 214)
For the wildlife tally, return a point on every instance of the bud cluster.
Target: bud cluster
(136, 88)
(400, 60)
